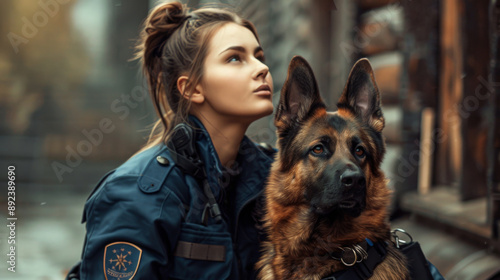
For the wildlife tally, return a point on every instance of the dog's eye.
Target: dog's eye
(318, 150)
(360, 152)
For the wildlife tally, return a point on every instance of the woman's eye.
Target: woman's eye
(318, 149)
(261, 58)
(360, 152)
(234, 58)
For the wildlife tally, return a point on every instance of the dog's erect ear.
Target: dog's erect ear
(299, 95)
(361, 95)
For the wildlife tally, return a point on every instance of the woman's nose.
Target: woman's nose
(262, 70)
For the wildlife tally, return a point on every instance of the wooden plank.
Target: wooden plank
(426, 148)
(343, 50)
(380, 30)
(493, 149)
(419, 80)
(473, 103)
(387, 69)
(421, 52)
(371, 4)
(444, 206)
(448, 159)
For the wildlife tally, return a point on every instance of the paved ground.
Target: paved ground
(49, 239)
(49, 236)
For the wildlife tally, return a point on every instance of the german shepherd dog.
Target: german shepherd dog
(326, 193)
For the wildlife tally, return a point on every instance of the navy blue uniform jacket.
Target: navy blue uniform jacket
(141, 211)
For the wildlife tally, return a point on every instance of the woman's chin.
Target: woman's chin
(254, 116)
(266, 111)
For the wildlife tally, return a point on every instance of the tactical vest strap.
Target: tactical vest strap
(183, 150)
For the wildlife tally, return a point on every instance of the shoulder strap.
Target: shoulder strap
(183, 149)
(155, 173)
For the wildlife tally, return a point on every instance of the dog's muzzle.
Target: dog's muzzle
(353, 197)
(345, 195)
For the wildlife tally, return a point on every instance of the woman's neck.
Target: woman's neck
(226, 137)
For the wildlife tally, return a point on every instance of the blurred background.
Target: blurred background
(74, 106)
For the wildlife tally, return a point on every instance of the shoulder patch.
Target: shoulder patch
(121, 260)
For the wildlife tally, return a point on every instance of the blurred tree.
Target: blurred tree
(46, 63)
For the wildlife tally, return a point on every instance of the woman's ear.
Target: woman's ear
(196, 96)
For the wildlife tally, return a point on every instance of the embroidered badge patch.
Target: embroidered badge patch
(121, 260)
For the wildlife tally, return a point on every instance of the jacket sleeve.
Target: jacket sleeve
(435, 272)
(130, 234)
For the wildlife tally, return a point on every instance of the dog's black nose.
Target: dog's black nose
(352, 179)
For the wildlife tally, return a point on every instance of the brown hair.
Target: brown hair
(174, 42)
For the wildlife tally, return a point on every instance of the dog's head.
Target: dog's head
(332, 159)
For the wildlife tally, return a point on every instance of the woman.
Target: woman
(157, 216)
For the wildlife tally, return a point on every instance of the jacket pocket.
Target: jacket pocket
(202, 253)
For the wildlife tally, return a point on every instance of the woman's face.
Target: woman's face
(236, 83)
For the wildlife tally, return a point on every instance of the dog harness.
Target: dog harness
(362, 258)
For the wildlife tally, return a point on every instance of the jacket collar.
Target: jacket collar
(253, 163)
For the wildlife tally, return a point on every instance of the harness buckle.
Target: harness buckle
(397, 240)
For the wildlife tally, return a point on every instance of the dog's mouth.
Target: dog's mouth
(348, 204)
(351, 207)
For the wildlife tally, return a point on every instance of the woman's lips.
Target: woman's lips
(263, 90)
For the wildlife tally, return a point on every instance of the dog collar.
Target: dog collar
(362, 258)
(353, 254)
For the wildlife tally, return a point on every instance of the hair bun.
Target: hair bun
(159, 26)
(166, 18)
